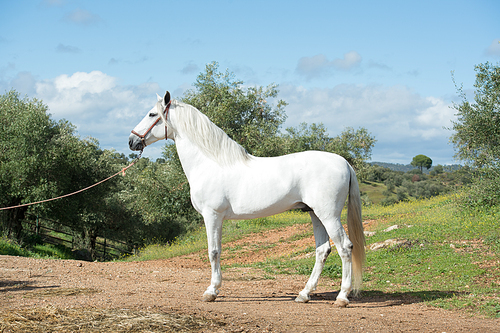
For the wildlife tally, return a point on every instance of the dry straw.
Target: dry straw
(86, 320)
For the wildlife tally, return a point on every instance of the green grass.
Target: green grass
(373, 190)
(52, 251)
(8, 247)
(452, 259)
(46, 251)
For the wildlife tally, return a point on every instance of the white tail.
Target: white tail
(356, 235)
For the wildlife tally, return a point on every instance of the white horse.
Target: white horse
(228, 183)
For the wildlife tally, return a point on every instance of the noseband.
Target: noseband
(143, 136)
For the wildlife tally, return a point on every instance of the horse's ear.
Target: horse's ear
(166, 98)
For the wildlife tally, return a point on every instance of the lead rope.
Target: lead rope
(122, 171)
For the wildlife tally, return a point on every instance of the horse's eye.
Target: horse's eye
(152, 114)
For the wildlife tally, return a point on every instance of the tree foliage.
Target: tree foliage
(28, 167)
(243, 113)
(40, 159)
(158, 192)
(422, 161)
(477, 134)
(477, 129)
(354, 145)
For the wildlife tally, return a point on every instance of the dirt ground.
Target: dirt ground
(64, 296)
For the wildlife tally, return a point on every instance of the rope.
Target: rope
(122, 171)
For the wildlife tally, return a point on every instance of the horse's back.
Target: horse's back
(317, 166)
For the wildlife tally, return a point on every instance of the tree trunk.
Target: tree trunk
(13, 222)
(92, 239)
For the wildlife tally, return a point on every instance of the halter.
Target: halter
(142, 136)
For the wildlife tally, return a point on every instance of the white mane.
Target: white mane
(213, 141)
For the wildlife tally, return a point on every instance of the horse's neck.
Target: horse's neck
(192, 158)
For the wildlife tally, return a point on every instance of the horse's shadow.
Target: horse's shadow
(370, 298)
(18, 285)
(377, 298)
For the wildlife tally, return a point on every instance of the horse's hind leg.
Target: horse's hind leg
(322, 251)
(344, 248)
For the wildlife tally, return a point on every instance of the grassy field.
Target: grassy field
(9, 247)
(450, 257)
(373, 190)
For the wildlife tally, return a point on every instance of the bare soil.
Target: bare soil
(164, 296)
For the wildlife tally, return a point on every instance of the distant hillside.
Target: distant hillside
(409, 167)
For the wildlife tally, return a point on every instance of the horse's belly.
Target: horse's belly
(253, 212)
(259, 197)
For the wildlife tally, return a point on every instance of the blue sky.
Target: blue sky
(382, 65)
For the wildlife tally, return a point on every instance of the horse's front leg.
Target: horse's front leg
(213, 225)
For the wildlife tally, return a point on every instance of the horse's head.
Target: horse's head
(153, 126)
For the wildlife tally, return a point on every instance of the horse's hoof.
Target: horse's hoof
(302, 299)
(208, 297)
(341, 303)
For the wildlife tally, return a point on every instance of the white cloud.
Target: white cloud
(99, 106)
(319, 65)
(23, 82)
(430, 121)
(313, 66)
(350, 60)
(78, 94)
(96, 103)
(401, 120)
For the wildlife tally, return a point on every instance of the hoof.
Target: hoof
(341, 303)
(208, 297)
(302, 299)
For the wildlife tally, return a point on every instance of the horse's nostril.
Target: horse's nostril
(134, 144)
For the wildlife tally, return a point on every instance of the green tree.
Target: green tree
(158, 192)
(438, 169)
(243, 113)
(421, 161)
(42, 159)
(477, 128)
(27, 173)
(477, 134)
(82, 163)
(356, 147)
(306, 137)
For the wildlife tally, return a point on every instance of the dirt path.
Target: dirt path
(85, 294)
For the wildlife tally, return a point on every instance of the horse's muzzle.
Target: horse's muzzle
(135, 142)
